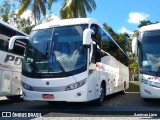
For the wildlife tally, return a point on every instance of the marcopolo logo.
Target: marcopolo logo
(11, 58)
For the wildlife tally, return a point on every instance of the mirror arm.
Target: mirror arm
(134, 45)
(13, 39)
(91, 51)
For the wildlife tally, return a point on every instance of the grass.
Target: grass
(133, 86)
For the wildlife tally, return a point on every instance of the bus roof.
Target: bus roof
(150, 27)
(9, 26)
(65, 22)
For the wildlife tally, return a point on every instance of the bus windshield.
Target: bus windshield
(150, 52)
(55, 50)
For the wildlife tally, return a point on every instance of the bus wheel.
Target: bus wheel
(17, 97)
(124, 89)
(101, 98)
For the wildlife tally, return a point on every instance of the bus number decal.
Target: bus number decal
(16, 60)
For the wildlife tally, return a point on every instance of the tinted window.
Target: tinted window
(108, 45)
(5, 34)
(19, 47)
(149, 55)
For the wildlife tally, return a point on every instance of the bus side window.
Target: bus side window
(19, 47)
(93, 59)
(96, 56)
(97, 35)
(3, 45)
(4, 38)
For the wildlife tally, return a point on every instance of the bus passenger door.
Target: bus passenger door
(5, 86)
(93, 76)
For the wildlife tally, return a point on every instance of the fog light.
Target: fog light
(79, 94)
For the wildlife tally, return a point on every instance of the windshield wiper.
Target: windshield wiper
(46, 53)
(60, 65)
(53, 43)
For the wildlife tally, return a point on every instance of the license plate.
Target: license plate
(47, 96)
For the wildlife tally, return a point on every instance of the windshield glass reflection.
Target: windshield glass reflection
(150, 61)
(55, 50)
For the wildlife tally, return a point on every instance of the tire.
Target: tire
(123, 92)
(14, 98)
(101, 98)
(124, 89)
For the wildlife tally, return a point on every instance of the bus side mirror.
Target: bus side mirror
(134, 45)
(87, 37)
(13, 40)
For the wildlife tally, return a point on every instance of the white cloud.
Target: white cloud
(50, 17)
(136, 17)
(123, 30)
(27, 14)
(12, 1)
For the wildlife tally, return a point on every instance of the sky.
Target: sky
(121, 15)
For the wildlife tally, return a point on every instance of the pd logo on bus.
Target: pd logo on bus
(15, 60)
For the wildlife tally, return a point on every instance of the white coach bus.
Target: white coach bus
(72, 60)
(147, 45)
(10, 62)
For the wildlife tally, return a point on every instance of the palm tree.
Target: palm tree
(37, 6)
(146, 22)
(76, 8)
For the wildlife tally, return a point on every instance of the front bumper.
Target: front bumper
(76, 95)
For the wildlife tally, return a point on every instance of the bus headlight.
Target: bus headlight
(144, 81)
(26, 86)
(76, 85)
(154, 84)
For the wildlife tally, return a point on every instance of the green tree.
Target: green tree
(38, 7)
(5, 10)
(124, 41)
(76, 8)
(50, 2)
(121, 39)
(110, 30)
(48, 18)
(145, 22)
(24, 25)
(134, 69)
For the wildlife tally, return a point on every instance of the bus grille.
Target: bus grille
(49, 89)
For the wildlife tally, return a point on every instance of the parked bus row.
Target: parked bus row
(74, 60)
